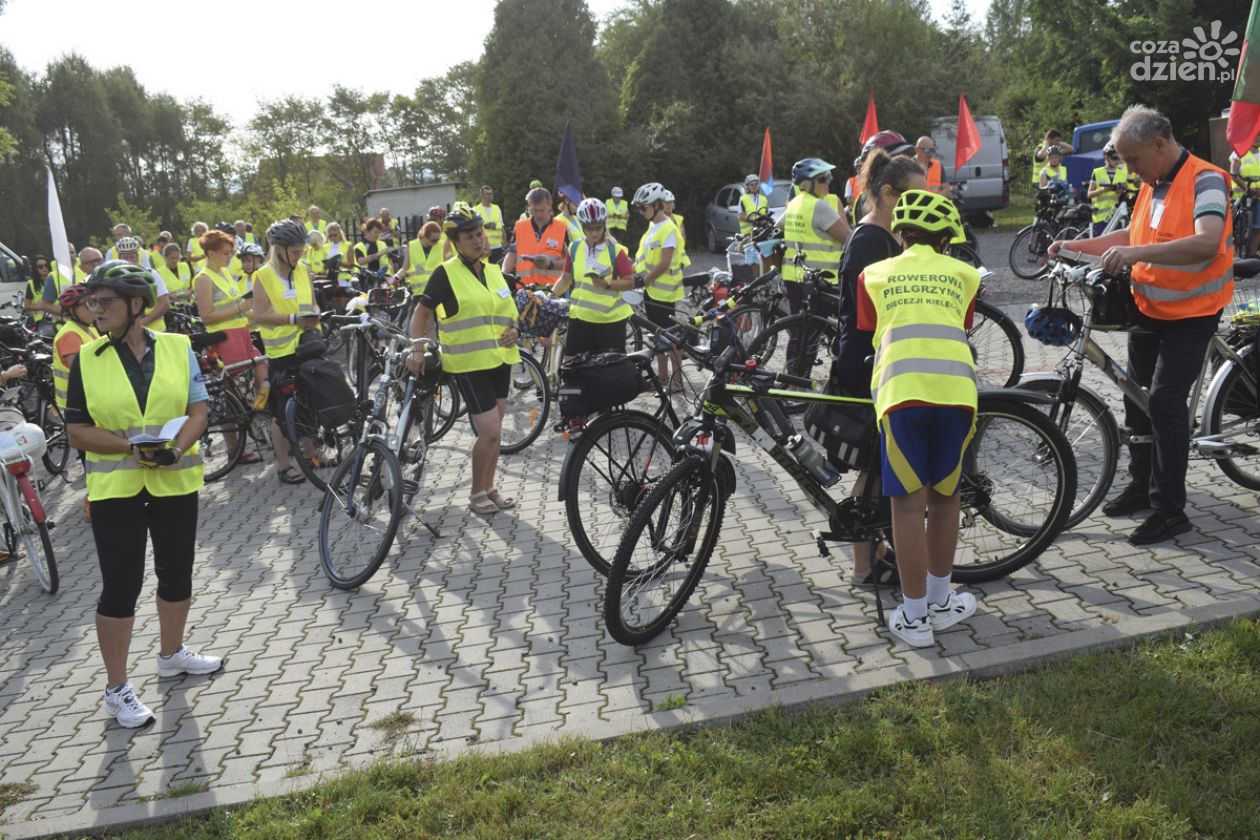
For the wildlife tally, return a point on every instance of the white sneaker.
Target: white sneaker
(914, 633)
(959, 606)
(122, 704)
(184, 661)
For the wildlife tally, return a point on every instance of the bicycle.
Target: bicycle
(1017, 457)
(1055, 217)
(969, 251)
(37, 398)
(232, 421)
(1242, 210)
(319, 439)
(1227, 431)
(1119, 216)
(26, 524)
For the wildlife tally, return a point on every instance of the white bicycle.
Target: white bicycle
(25, 528)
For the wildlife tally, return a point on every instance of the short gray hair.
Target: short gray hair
(1142, 125)
(537, 195)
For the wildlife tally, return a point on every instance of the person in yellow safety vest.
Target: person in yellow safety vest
(659, 260)
(568, 215)
(244, 236)
(76, 330)
(598, 270)
(89, 259)
(920, 304)
(131, 382)
(679, 222)
(251, 258)
(1042, 153)
(1105, 186)
(1244, 174)
(123, 230)
(284, 306)
(925, 156)
(815, 232)
(471, 300)
(175, 273)
(129, 251)
(424, 254)
(1053, 171)
(618, 212)
(315, 220)
(338, 246)
(39, 286)
(316, 253)
(1179, 253)
(751, 203)
(492, 215)
(392, 233)
(369, 253)
(193, 249)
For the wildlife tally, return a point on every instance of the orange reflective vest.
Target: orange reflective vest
(550, 243)
(1169, 292)
(935, 176)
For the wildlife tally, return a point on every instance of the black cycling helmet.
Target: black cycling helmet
(126, 278)
(457, 221)
(286, 232)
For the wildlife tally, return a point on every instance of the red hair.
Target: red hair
(216, 239)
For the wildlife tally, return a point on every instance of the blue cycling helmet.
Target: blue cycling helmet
(1053, 326)
(809, 168)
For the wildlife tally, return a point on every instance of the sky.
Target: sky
(176, 50)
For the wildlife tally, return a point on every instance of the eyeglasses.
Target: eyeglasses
(100, 304)
(41, 265)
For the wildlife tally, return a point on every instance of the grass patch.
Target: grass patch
(11, 793)
(177, 790)
(395, 725)
(1018, 214)
(1161, 741)
(671, 702)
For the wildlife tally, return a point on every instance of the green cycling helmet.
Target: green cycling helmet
(925, 210)
(128, 279)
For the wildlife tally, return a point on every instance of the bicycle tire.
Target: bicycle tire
(528, 406)
(57, 439)
(413, 442)
(1094, 437)
(1016, 450)
(1236, 405)
(1027, 257)
(368, 476)
(966, 252)
(1242, 232)
(996, 347)
(602, 489)
(447, 407)
(817, 331)
(43, 560)
(329, 446)
(679, 490)
(227, 418)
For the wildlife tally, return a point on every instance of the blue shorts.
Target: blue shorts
(923, 445)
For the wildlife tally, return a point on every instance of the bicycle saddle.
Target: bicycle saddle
(201, 341)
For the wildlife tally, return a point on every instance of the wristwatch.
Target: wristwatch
(179, 453)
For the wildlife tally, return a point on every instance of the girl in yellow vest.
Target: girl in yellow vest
(284, 306)
(598, 269)
(424, 254)
(658, 259)
(919, 305)
(193, 249)
(130, 382)
(175, 273)
(76, 330)
(1054, 170)
(338, 246)
(471, 299)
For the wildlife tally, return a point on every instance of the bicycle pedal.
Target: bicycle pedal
(823, 549)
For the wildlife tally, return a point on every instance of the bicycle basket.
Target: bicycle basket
(845, 430)
(592, 383)
(1111, 300)
(540, 314)
(326, 393)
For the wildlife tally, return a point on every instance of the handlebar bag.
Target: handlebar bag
(1112, 302)
(595, 382)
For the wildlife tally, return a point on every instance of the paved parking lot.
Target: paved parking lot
(491, 638)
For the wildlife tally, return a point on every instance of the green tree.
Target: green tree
(284, 139)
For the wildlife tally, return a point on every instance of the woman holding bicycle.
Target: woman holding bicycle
(598, 269)
(471, 300)
(284, 306)
(125, 383)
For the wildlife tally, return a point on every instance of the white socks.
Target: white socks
(937, 589)
(914, 608)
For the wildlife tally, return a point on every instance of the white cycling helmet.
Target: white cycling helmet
(649, 193)
(669, 196)
(751, 179)
(128, 244)
(592, 212)
(617, 193)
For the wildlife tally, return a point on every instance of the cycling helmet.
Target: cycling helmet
(617, 193)
(125, 278)
(128, 244)
(230, 230)
(286, 232)
(1053, 326)
(535, 184)
(1109, 149)
(669, 196)
(925, 210)
(437, 214)
(592, 212)
(649, 193)
(71, 296)
(251, 250)
(458, 221)
(809, 168)
(751, 179)
(890, 141)
(462, 207)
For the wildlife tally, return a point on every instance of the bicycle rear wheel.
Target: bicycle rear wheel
(615, 464)
(360, 515)
(31, 535)
(314, 447)
(665, 549)
(1028, 252)
(227, 431)
(447, 407)
(996, 347)
(528, 405)
(1018, 484)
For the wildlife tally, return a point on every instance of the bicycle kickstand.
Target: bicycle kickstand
(434, 531)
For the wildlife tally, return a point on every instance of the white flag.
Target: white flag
(57, 225)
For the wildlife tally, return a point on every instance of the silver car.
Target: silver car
(721, 215)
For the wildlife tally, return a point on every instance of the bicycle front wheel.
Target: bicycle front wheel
(663, 553)
(996, 347)
(32, 536)
(615, 464)
(1018, 484)
(447, 406)
(227, 431)
(56, 439)
(801, 345)
(1236, 415)
(1028, 255)
(360, 515)
(528, 405)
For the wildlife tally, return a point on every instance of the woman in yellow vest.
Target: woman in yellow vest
(193, 249)
(175, 273)
(370, 251)
(1107, 182)
(284, 306)
(751, 203)
(1054, 172)
(76, 330)
(679, 222)
(132, 381)
(598, 269)
(471, 300)
(659, 260)
(919, 305)
(424, 254)
(316, 253)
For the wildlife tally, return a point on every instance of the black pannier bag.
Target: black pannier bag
(595, 382)
(1112, 301)
(845, 430)
(325, 392)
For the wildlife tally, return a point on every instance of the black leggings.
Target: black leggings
(122, 527)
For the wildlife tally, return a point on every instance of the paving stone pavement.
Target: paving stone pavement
(491, 637)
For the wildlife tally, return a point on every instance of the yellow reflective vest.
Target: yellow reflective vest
(668, 287)
(684, 260)
(1052, 173)
(291, 297)
(596, 305)
(193, 251)
(178, 282)
(921, 300)
(470, 338)
(750, 203)
(113, 405)
(61, 372)
(224, 288)
(491, 215)
(618, 214)
(420, 265)
(1248, 167)
(821, 252)
(1103, 204)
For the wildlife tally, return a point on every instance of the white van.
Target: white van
(988, 173)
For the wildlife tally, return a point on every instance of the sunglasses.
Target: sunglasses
(41, 265)
(100, 304)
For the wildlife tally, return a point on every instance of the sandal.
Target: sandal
(495, 496)
(290, 475)
(887, 575)
(481, 504)
(250, 458)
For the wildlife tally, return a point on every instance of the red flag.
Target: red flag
(1244, 113)
(968, 137)
(766, 173)
(871, 126)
